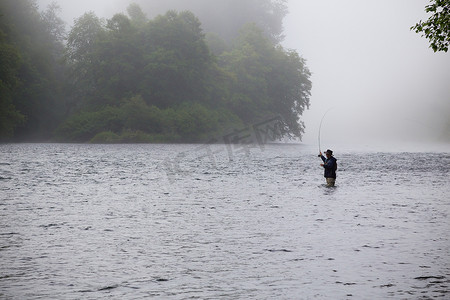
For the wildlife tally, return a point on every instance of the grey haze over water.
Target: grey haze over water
(232, 221)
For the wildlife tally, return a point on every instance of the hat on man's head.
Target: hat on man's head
(329, 152)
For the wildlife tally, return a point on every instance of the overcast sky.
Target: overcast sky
(380, 78)
(383, 81)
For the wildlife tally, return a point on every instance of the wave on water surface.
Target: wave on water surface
(214, 221)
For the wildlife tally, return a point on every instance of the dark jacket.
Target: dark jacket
(330, 166)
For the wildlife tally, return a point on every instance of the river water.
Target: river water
(222, 221)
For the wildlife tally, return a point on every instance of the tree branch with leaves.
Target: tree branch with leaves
(437, 28)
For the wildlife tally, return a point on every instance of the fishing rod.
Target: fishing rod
(320, 126)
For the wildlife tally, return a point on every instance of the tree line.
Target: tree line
(135, 79)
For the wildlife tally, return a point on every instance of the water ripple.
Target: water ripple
(113, 221)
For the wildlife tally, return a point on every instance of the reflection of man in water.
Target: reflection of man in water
(330, 166)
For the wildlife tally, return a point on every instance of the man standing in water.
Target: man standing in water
(330, 166)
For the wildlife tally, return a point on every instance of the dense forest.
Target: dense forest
(135, 79)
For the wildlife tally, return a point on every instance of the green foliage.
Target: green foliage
(10, 62)
(177, 59)
(138, 17)
(132, 79)
(31, 87)
(81, 59)
(53, 24)
(135, 137)
(164, 60)
(10, 117)
(85, 125)
(82, 38)
(268, 80)
(437, 28)
(135, 121)
(106, 137)
(216, 44)
(195, 122)
(137, 115)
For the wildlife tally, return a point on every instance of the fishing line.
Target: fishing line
(321, 121)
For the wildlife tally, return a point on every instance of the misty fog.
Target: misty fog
(151, 149)
(382, 80)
